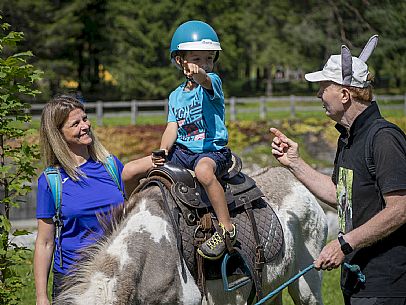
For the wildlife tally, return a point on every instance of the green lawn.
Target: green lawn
(28, 292)
(331, 290)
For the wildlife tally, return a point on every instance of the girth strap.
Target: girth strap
(259, 252)
(202, 230)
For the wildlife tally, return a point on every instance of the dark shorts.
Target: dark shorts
(374, 301)
(188, 159)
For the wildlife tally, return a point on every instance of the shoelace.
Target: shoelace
(215, 240)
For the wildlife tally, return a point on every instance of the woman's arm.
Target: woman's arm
(44, 249)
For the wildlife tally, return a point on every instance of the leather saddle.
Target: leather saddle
(239, 188)
(259, 232)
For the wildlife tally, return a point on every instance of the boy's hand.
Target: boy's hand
(199, 75)
(159, 157)
(190, 69)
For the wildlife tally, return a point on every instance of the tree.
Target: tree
(83, 41)
(17, 158)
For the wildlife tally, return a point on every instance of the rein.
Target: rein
(162, 183)
(352, 268)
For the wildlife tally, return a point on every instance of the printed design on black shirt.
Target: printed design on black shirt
(190, 121)
(344, 199)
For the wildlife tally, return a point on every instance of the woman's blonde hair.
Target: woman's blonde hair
(54, 149)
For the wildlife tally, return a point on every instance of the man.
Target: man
(371, 206)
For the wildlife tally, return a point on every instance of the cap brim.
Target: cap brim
(316, 77)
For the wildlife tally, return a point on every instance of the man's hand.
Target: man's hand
(331, 257)
(284, 149)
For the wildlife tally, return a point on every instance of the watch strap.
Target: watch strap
(345, 247)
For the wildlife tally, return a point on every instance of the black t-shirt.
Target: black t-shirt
(383, 263)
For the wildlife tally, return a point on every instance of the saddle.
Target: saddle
(259, 232)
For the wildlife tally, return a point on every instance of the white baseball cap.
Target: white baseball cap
(333, 71)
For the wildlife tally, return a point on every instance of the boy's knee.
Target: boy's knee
(205, 175)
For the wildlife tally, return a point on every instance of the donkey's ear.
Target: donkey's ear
(369, 48)
(346, 65)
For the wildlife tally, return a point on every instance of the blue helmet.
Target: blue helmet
(194, 36)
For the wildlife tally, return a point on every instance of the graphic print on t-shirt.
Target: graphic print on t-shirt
(344, 199)
(190, 121)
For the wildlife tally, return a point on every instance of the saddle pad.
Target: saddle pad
(269, 230)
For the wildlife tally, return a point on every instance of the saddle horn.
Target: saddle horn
(346, 65)
(369, 48)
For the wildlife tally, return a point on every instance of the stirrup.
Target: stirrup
(242, 281)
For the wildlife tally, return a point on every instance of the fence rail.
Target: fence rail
(261, 105)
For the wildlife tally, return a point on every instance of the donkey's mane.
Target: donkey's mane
(110, 221)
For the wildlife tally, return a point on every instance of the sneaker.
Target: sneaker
(215, 246)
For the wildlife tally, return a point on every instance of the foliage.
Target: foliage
(16, 156)
(118, 49)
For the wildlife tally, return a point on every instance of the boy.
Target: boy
(196, 135)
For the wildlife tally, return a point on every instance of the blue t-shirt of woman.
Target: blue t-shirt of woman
(95, 193)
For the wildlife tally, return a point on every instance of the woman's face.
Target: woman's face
(76, 129)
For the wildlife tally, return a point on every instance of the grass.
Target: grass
(331, 291)
(27, 274)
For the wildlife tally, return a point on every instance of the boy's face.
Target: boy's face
(203, 59)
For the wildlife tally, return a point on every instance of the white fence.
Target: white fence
(261, 105)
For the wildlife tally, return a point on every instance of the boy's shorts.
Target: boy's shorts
(182, 156)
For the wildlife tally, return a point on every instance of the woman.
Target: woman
(88, 189)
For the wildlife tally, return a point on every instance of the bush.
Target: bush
(16, 156)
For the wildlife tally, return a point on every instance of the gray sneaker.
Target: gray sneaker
(215, 246)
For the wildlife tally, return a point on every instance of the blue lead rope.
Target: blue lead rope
(286, 284)
(352, 268)
(356, 269)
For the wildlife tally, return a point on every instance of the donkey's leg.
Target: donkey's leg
(217, 296)
(307, 290)
(311, 234)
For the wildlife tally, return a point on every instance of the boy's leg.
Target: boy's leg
(214, 247)
(134, 171)
(204, 171)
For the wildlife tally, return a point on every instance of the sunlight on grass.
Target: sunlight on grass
(331, 291)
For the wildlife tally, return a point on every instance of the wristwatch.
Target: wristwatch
(345, 247)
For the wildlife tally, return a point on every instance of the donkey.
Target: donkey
(138, 261)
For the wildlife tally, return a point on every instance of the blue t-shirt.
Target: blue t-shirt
(81, 202)
(200, 115)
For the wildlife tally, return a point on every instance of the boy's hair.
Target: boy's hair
(54, 149)
(180, 53)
